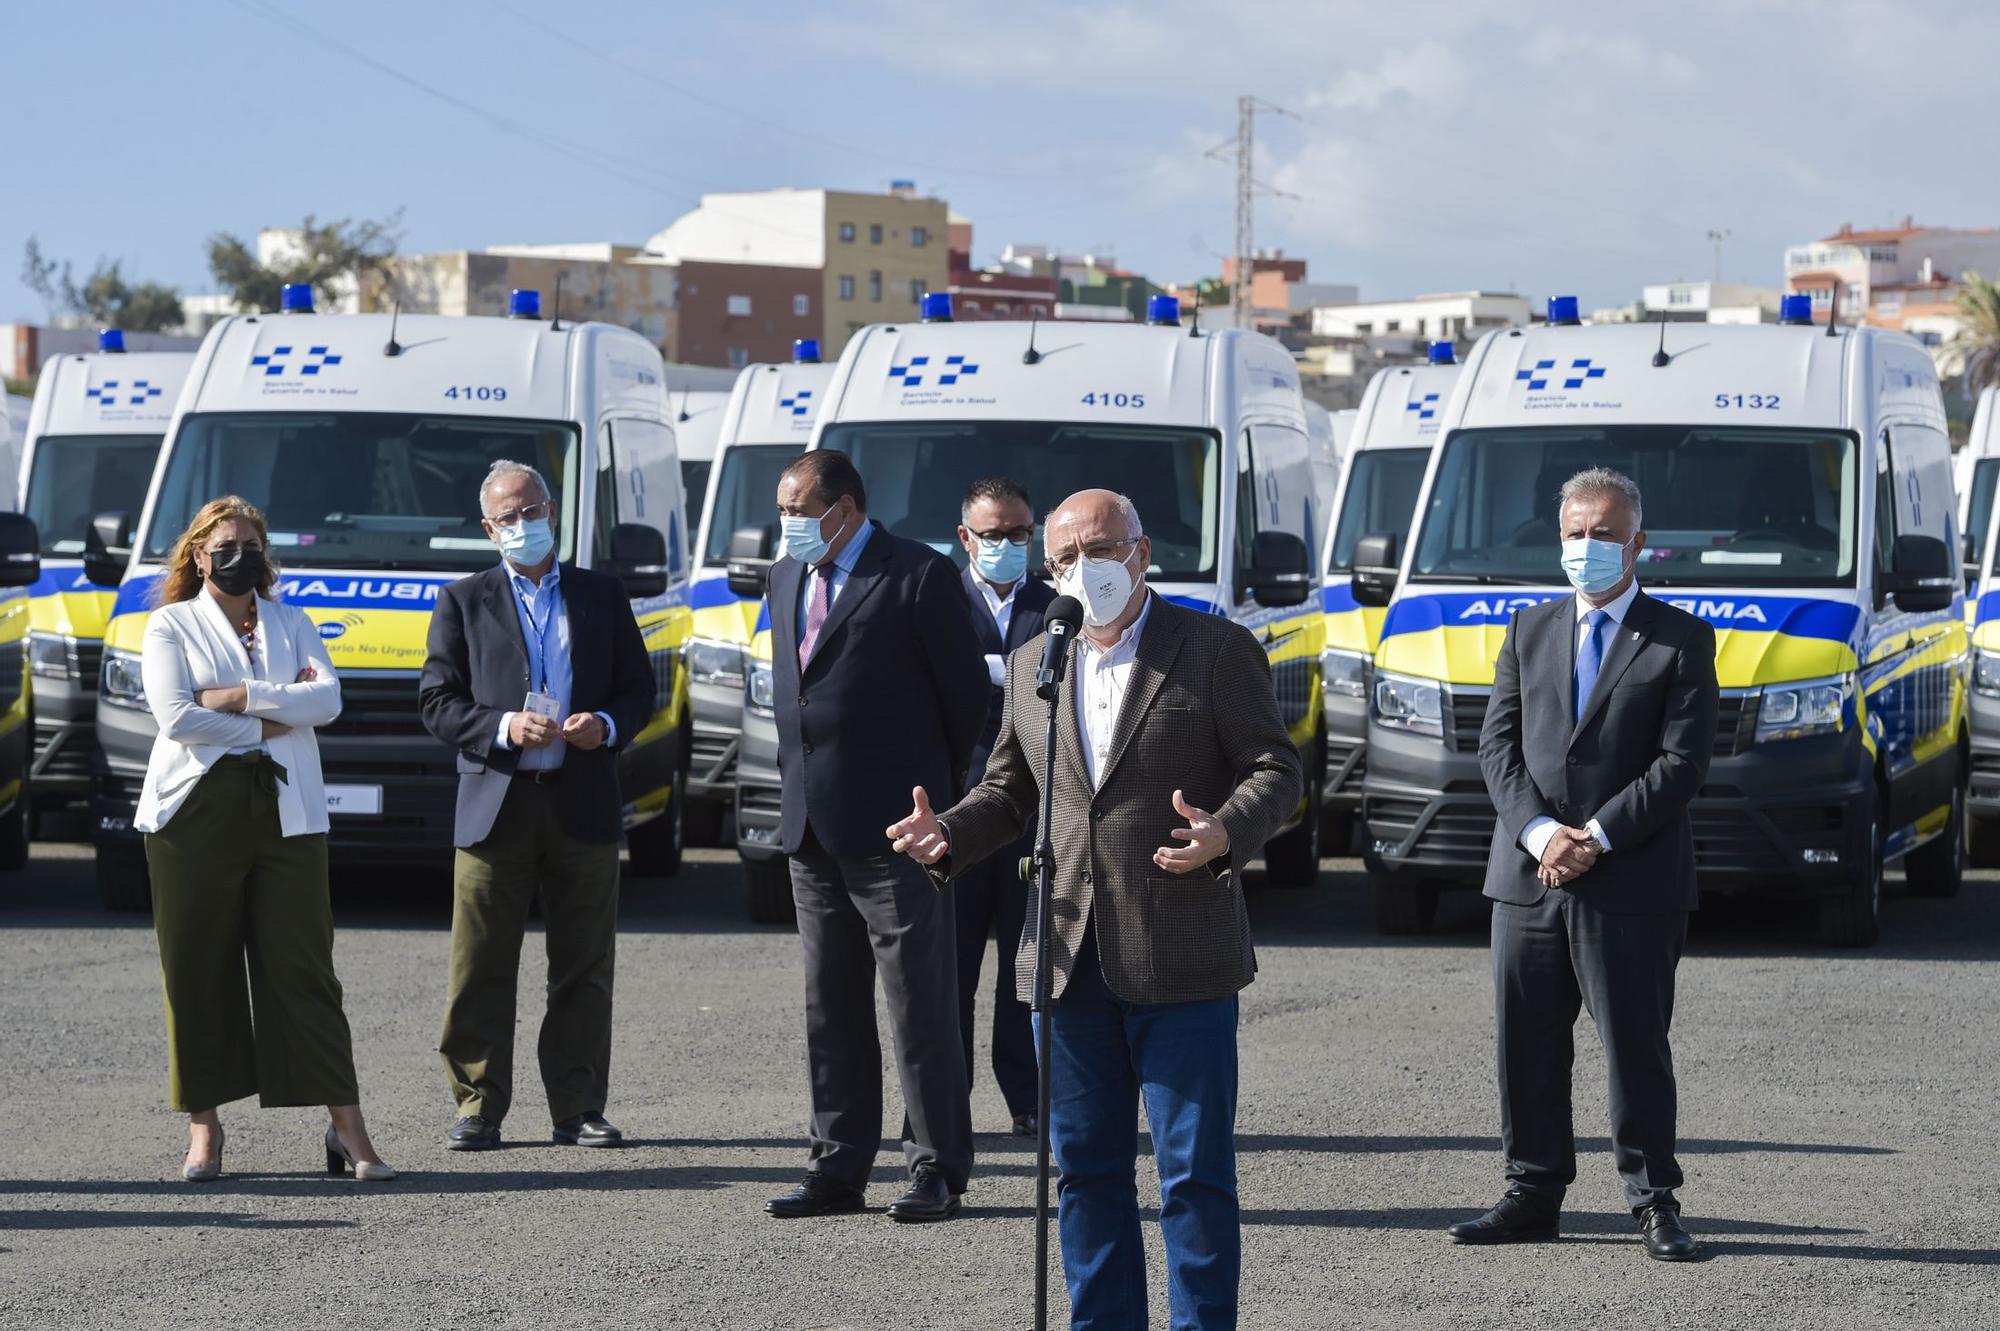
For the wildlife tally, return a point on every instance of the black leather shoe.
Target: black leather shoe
(1520, 1217)
(472, 1133)
(817, 1195)
(587, 1130)
(1024, 1125)
(1666, 1239)
(929, 1199)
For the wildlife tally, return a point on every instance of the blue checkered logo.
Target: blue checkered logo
(796, 404)
(143, 392)
(1425, 406)
(1580, 372)
(316, 359)
(912, 375)
(104, 394)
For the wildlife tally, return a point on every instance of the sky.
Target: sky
(1564, 147)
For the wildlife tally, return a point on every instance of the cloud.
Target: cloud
(1429, 72)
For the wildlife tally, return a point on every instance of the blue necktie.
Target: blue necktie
(1589, 658)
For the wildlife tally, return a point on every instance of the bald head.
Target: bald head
(1101, 511)
(1101, 525)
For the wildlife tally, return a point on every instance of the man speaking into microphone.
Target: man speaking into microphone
(1172, 768)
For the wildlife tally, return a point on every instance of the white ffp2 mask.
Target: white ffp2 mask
(1104, 586)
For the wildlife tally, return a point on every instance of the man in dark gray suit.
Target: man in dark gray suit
(878, 689)
(1596, 739)
(1165, 715)
(536, 674)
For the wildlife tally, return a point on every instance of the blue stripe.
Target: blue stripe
(1194, 603)
(64, 575)
(1338, 598)
(1794, 616)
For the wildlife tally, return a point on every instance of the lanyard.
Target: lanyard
(546, 597)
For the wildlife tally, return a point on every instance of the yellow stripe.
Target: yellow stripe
(1355, 630)
(1464, 654)
(79, 615)
(733, 623)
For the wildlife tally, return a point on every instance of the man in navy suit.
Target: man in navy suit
(880, 691)
(996, 527)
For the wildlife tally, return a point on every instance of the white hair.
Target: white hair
(1130, 512)
(504, 468)
(1597, 481)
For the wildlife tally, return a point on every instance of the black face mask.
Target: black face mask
(236, 571)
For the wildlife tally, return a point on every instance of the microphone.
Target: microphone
(1060, 620)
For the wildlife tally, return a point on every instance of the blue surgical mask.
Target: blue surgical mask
(527, 542)
(1593, 567)
(1001, 562)
(803, 539)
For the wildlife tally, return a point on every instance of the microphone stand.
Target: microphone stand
(1048, 685)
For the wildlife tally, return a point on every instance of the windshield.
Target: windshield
(1984, 473)
(747, 494)
(1723, 507)
(77, 476)
(917, 476)
(694, 484)
(360, 489)
(1382, 485)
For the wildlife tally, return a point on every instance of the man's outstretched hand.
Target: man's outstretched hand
(920, 836)
(1203, 839)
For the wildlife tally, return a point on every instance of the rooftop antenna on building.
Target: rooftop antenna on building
(1032, 356)
(1660, 358)
(394, 348)
(555, 314)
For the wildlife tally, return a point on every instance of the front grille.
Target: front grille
(12, 660)
(1735, 722)
(1729, 840)
(767, 800)
(1461, 833)
(419, 795)
(62, 749)
(374, 704)
(86, 662)
(1467, 710)
(1346, 764)
(714, 756)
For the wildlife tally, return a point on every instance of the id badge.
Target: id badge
(541, 704)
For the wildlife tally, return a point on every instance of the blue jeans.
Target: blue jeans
(1105, 1053)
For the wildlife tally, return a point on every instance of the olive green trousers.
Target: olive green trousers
(246, 950)
(493, 885)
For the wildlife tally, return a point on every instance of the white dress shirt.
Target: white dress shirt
(1535, 836)
(1102, 676)
(1001, 606)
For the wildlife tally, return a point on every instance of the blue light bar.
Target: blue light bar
(111, 339)
(935, 307)
(524, 303)
(296, 298)
(1795, 310)
(805, 350)
(1562, 310)
(1163, 309)
(1443, 353)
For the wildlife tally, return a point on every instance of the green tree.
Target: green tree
(104, 298)
(1978, 340)
(347, 250)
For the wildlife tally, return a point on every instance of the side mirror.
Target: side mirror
(749, 562)
(107, 548)
(638, 559)
(1280, 569)
(1971, 561)
(20, 550)
(1377, 561)
(1920, 577)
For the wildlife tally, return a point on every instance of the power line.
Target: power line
(1242, 150)
(654, 77)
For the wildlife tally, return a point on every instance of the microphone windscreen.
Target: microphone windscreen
(1064, 610)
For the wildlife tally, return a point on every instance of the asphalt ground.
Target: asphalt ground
(1837, 1116)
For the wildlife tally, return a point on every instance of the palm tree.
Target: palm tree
(1978, 340)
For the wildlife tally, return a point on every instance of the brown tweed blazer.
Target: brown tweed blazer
(1199, 716)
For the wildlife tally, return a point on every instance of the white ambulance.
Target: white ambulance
(1975, 472)
(697, 425)
(1797, 496)
(364, 439)
(1204, 431)
(765, 424)
(1389, 450)
(93, 435)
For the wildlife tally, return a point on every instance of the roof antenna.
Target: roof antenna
(1660, 358)
(684, 405)
(1032, 356)
(1833, 312)
(394, 348)
(555, 316)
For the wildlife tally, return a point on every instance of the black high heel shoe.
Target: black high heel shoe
(338, 1162)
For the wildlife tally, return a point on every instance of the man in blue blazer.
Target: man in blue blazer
(996, 527)
(879, 691)
(536, 675)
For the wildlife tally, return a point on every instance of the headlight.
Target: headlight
(712, 662)
(1986, 672)
(119, 682)
(1407, 703)
(51, 656)
(1344, 672)
(760, 693)
(1811, 707)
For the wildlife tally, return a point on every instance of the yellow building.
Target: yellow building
(876, 253)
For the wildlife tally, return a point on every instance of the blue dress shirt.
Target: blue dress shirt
(842, 565)
(545, 634)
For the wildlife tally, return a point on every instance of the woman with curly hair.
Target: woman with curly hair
(235, 820)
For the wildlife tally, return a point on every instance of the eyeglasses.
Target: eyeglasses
(1061, 565)
(1011, 535)
(532, 512)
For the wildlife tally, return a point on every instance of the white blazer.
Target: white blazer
(190, 646)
